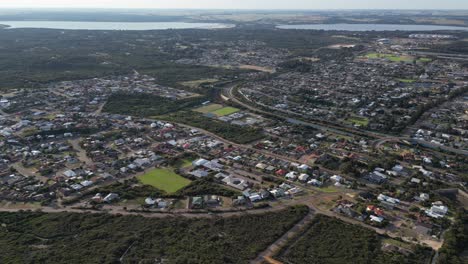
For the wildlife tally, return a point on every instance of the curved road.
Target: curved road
(380, 138)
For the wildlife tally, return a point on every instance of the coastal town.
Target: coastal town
(372, 133)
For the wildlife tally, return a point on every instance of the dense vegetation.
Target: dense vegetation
(455, 241)
(133, 189)
(330, 241)
(207, 186)
(32, 57)
(99, 238)
(130, 189)
(225, 130)
(146, 105)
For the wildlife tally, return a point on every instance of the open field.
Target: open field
(395, 58)
(225, 111)
(164, 179)
(257, 68)
(425, 60)
(362, 121)
(197, 83)
(208, 108)
(390, 57)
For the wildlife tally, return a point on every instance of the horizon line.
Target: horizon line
(230, 9)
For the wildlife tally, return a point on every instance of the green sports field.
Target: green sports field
(391, 57)
(225, 111)
(164, 179)
(208, 108)
(216, 109)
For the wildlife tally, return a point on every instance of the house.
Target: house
(76, 187)
(388, 199)
(377, 219)
(111, 197)
(438, 210)
(285, 186)
(142, 162)
(424, 197)
(199, 162)
(86, 183)
(303, 177)
(415, 180)
(199, 173)
(150, 201)
(294, 191)
(212, 200)
(197, 202)
(281, 172)
(235, 182)
(239, 201)
(255, 197)
(213, 165)
(261, 166)
(303, 167)
(315, 182)
(69, 174)
(277, 193)
(336, 178)
(291, 176)
(376, 177)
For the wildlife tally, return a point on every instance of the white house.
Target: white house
(303, 177)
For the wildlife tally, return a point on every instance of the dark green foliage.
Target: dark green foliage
(228, 131)
(455, 240)
(146, 104)
(130, 189)
(31, 57)
(207, 186)
(330, 241)
(101, 238)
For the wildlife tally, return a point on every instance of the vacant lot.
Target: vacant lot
(197, 83)
(164, 179)
(225, 111)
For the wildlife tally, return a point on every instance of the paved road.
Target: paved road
(228, 92)
(380, 138)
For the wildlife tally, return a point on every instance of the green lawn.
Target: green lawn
(225, 111)
(208, 108)
(164, 179)
(185, 163)
(391, 57)
(425, 60)
(362, 121)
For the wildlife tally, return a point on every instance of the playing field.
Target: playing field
(390, 57)
(164, 179)
(225, 111)
(208, 108)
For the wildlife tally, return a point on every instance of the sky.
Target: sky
(240, 4)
